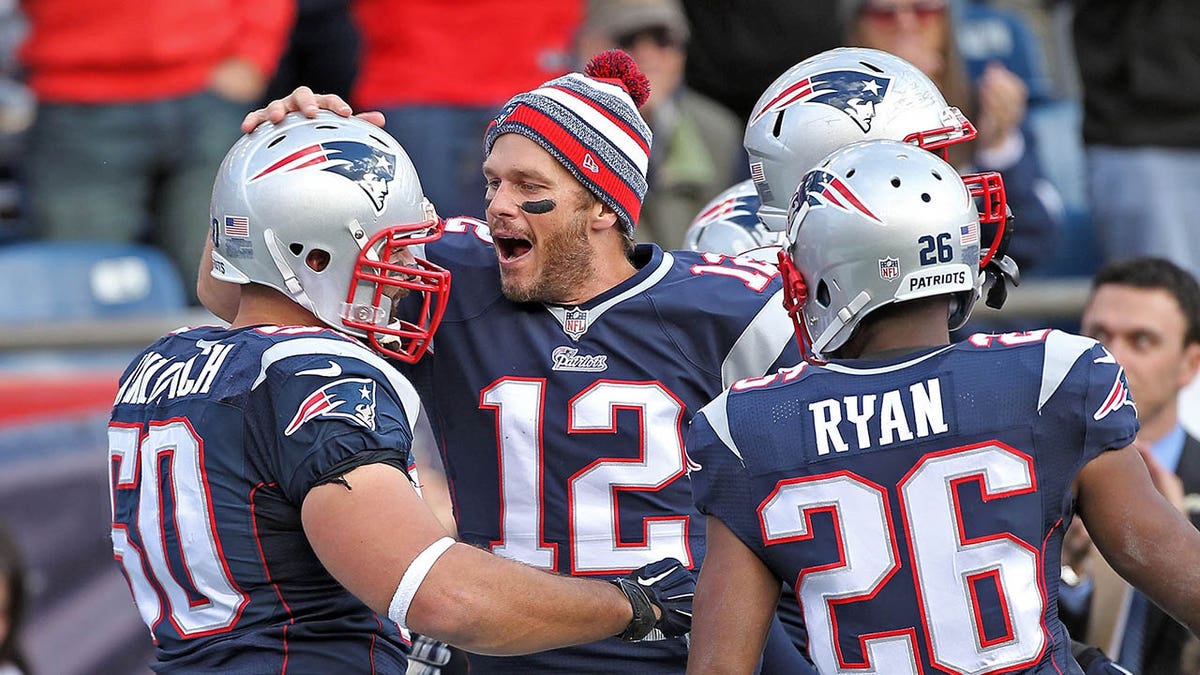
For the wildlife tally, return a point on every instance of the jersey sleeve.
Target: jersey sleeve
(767, 344)
(466, 250)
(720, 483)
(333, 414)
(743, 328)
(1109, 412)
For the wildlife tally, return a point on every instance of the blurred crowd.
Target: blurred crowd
(113, 119)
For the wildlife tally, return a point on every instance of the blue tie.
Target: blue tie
(1135, 632)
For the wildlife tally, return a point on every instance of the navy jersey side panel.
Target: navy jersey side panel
(561, 428)
(215, 439)
(920, 501)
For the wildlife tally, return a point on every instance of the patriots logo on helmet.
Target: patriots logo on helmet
(350, 398)
(735, 208)
(371, 168)
(854, 92)
(821, 189)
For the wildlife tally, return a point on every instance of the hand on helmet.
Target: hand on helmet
(306, 101)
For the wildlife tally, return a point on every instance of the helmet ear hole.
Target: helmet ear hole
(823, 298)
(317, 259)
(296, 248)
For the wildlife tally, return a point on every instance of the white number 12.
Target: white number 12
(596, 544)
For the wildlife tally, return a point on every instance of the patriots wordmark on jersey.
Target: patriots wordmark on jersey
(216, 436)
(918, 504)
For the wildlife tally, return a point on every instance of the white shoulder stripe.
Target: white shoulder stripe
(718, 419)
(334, 347)
(1061, 352)
(760, 344)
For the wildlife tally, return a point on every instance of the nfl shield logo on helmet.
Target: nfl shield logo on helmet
(889, 269)
(575, 322)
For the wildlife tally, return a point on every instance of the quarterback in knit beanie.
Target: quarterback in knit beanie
(590, 123)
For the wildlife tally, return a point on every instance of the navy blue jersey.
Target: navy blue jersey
(562, 428)
(216, 437)
(918, 504)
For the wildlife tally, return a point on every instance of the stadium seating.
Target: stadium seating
(43, 281)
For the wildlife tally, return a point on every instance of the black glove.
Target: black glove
(1094, 662)
(666, 584)
(428, 656)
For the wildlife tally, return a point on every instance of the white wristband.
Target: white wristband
(413, 576)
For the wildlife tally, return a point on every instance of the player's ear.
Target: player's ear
(1191, 363)
(600, 215)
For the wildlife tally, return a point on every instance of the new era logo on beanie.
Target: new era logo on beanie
(590, 123)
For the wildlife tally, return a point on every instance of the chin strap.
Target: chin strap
(795, 294)
(999, 270)
(999, 273)
(294, 288)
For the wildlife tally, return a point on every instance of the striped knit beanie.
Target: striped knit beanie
(590, 123)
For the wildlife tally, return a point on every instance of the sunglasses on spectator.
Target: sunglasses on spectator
(891, 13)
(660, 35)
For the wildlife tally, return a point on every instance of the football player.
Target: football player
(914, 491)
(829, 100)
(265, 510)
(570, 360)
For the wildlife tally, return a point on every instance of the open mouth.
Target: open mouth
(511, 248)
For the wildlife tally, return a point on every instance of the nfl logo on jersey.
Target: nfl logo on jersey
(575, 322)
(889, 269)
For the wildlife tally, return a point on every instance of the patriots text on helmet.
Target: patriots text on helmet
(956, 278)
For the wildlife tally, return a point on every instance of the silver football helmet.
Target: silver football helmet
(321, 210)
(835, 98)
(729, 225)
(877, 222)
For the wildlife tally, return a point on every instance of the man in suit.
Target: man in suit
(1146, 311)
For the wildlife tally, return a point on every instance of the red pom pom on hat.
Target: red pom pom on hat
(617, 66)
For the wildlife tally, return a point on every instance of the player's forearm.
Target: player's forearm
(735, 602)
(488, 605)
(1168, 570)
(1152, 545)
